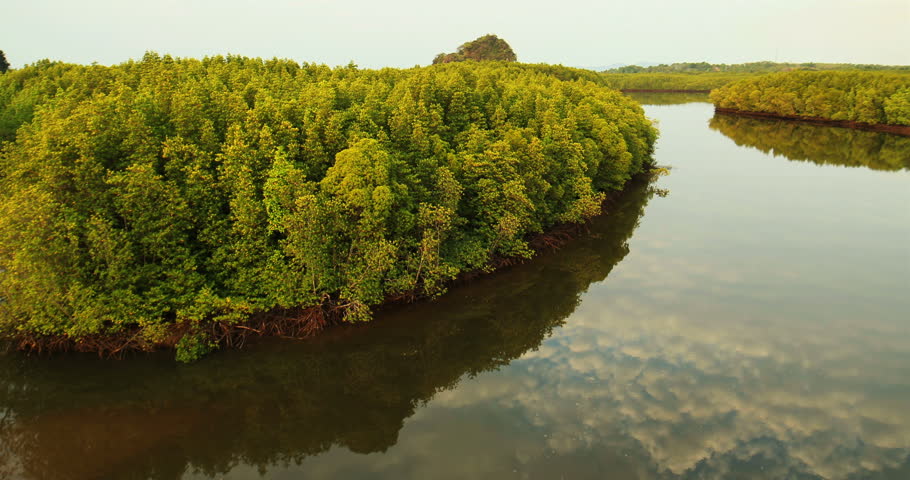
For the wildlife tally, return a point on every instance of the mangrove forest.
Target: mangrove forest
(177, 202)
(872, 98)
(485, 48)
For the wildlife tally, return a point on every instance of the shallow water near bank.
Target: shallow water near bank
(753, 323)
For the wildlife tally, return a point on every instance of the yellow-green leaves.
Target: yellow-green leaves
(867, 97)
(178, 196)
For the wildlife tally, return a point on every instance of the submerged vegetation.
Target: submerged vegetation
(864, 97)
(169, 201)
(819, 144)
(703, 76)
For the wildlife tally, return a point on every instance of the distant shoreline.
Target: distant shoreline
(874, 127)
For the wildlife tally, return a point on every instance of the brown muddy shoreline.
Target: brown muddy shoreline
(903, 130)
(294, 323)
(659, 90)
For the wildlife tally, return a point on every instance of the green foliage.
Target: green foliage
(22, 90)
(4, 65)
(706, 76)
(194, 346)
(897, 107)
(198, 192)
(866, 97)
(485, 48)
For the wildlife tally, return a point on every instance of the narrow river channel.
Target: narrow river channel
(747, 316)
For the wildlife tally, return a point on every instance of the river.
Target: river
(747, 316)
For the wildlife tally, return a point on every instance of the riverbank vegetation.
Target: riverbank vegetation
(682, 82)
(864, 97)
(703, 76)
(172, 201)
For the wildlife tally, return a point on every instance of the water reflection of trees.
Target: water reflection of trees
(818, 144)
(78, 417)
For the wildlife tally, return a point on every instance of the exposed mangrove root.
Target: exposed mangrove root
(288, 323)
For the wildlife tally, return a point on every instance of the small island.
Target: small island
(183, 203)
(868, 100)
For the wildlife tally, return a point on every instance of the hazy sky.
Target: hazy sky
(403, 33)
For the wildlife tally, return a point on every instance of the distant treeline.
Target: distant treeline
(866, 97)
(752, 67)
(670, 81)
(164, 201)
(819, 144)
(708, 76)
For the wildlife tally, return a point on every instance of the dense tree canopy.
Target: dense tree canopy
(163, 197)
(487, 47)
(867, 97)
(4, 64)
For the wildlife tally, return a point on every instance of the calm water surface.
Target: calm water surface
(753, 323)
